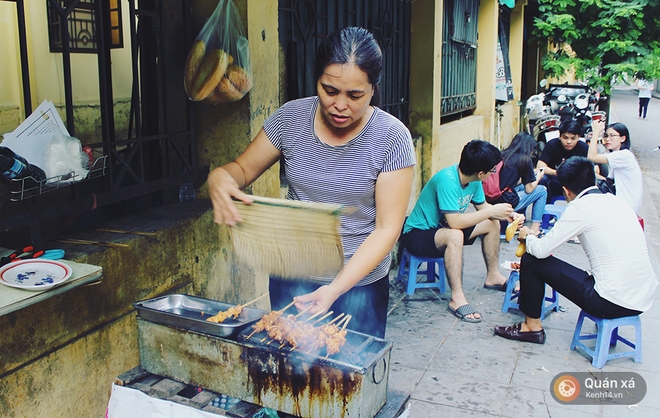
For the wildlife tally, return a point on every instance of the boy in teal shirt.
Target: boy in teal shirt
(439, 227)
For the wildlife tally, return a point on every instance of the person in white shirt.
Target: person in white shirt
(644, 96)
(621, 281)
(623, 167)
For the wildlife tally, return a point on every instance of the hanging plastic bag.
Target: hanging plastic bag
(218, 65)
(65, 161)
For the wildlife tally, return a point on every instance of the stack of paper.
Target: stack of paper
(43, 140)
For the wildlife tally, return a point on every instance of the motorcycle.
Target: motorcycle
(540, 119)
(545, 111)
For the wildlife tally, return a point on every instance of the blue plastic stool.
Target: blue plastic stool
(551, 211)
(607, 336)
(409, 266)
(511, 297)
(556, 198)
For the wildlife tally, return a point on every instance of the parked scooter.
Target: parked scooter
(544, 112)
(540, 119)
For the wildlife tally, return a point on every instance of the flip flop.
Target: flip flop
(464, 310)
(500, 287)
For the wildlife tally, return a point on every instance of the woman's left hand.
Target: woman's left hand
(319, 300)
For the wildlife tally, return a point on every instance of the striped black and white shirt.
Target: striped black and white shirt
(344, 174)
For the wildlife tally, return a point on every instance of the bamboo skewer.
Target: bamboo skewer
(295, 317)
(314, 316)
(87, 242)
(348, 319)
(341, 322)
(345, 322)
(336, 319)
(255, 300)
(293, 302)
(119, 231)
(280, 311)
(235, 311)
(304, 311)
(322, 318)
(327, 314)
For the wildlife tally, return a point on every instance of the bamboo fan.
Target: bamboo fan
(289, 238)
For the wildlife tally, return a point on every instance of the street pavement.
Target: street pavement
(453, 368)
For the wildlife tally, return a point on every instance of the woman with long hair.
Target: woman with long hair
(624, 169)
(520, 181)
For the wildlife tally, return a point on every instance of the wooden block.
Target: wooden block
(126, 378)
(202, 398)
(167, 388)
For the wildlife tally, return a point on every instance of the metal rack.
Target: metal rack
(140, 167)
(27, 187)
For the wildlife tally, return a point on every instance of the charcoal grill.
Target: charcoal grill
(351, 383)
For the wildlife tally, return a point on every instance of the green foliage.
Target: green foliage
(608, 39)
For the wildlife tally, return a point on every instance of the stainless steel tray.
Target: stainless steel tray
(191, 312)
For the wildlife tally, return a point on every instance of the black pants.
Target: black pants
(643, 105)
(573, 283)
(367, 304)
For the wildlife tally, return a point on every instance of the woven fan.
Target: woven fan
(289, 238)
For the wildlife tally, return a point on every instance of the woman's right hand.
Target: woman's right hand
(539, 173)
(223, 189)
(597, 128)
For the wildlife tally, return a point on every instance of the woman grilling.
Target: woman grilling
(336, 147)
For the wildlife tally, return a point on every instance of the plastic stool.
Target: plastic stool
(607, 336)
(551, 211)
(409, 266)
(553, 199)
(511, 297)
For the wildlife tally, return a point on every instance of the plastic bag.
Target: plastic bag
(218, 66)
(266, 413)
(64, 159)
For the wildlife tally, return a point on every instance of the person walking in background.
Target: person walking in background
(645, 90)
(336, 147)
(623, 166)
(520, 181)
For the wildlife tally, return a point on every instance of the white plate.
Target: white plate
(507, 265)
(34, 274)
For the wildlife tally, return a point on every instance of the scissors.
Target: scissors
(54, 254)
(16, 255)
(28, 252)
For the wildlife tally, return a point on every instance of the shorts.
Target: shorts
(422, 242)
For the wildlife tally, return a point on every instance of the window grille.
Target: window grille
(459, 53)
(80, 20)
(304, 23)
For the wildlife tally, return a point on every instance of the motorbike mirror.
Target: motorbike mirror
(543, 83)
(600, 89)
(581, 102)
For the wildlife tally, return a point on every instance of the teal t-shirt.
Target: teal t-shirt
(443, 194)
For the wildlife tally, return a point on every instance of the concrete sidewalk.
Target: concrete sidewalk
(455, 369)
